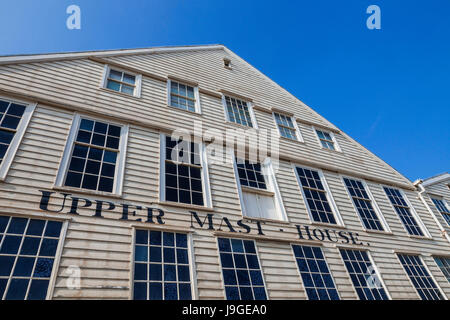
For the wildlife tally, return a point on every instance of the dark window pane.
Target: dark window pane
(100, 127)
(170, 291)
(155, 238)
(140, 291)
(185, 291)
(90, 182)
(53, 229)
(112, 143)
(43, 268)
(35, 227)
(96, 154)
(77, 164)
(110, 157)
(155, 291)
(17, 289)
(108, 170)
(141, 236)
(17, 225)
(114, 131)
(73, 179)
(232, 293)
(106, 184)
(84, 136)
(48, 248)
(6, 136)
(183, 273)
(10, 244)
(169, 272)
(182, 256)
(98, 140)
(140, 271)
(155, 254)
(86, 124)
(169, 255)
(24, 267)
(30, 246)
(80, 151)
(181, 240)
(6, 264)
(155, 272)
(10, 122)
(171, 194)
(3, 222)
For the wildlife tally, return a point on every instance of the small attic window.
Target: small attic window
(227, 63)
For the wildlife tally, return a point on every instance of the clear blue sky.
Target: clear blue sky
(389, 89)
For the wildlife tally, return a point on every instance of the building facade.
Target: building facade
(101, 199)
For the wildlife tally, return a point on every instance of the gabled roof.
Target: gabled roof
(436, 179)
(9, 59)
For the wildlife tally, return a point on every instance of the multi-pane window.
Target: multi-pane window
(27, 257)
(420, 277)
(286, 126)
(363, 274)
(403, 211)
(444, 264)
(316, 276)
(121, 81)
(161, 266)
(250, 174)
(182, 96)
(241, 270)
(10, 116)
(443, 209)
(363, 204)
(315, 195)
(238, 111)
(326, 139)
(94, 156)
(183, 172)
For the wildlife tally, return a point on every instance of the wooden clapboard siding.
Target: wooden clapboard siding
(438, 190)
(102, 248)
(77, 83)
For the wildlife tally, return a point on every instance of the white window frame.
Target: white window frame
(375, 206)
(298, 133)
(426, 268)
(58, 253)
(250, 110)
(198, 108)
(18, 136)
(333, 137)
(426, 233)
(271, 183)
(191, 255)
(120, 165)
(207, 200)
(329, 195)
(137, 84)
(375, 268)
(221, 267)
(441, 214)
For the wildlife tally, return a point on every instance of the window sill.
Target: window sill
(88, 192)
(251, 219)
(240, 126)
(184, 110)
(420, 237)
(184, 205)
(292, 140)
(323, 224)
(120, 93)
(379, 232)
(329, 150)
(257, 191)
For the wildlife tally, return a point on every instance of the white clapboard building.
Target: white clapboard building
(185, 173)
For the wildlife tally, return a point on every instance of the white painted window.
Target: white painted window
(287, 126)
(184, 172)
(443, 208)
(122, 81)
(94, 157)
(421, 277)
(365, 205)
(327, 139)
(406, 212)
(183, 96)
(14, 119)
(317, 196)
(29, 253)
(239, 111)
(162, 266)
(258, 190)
